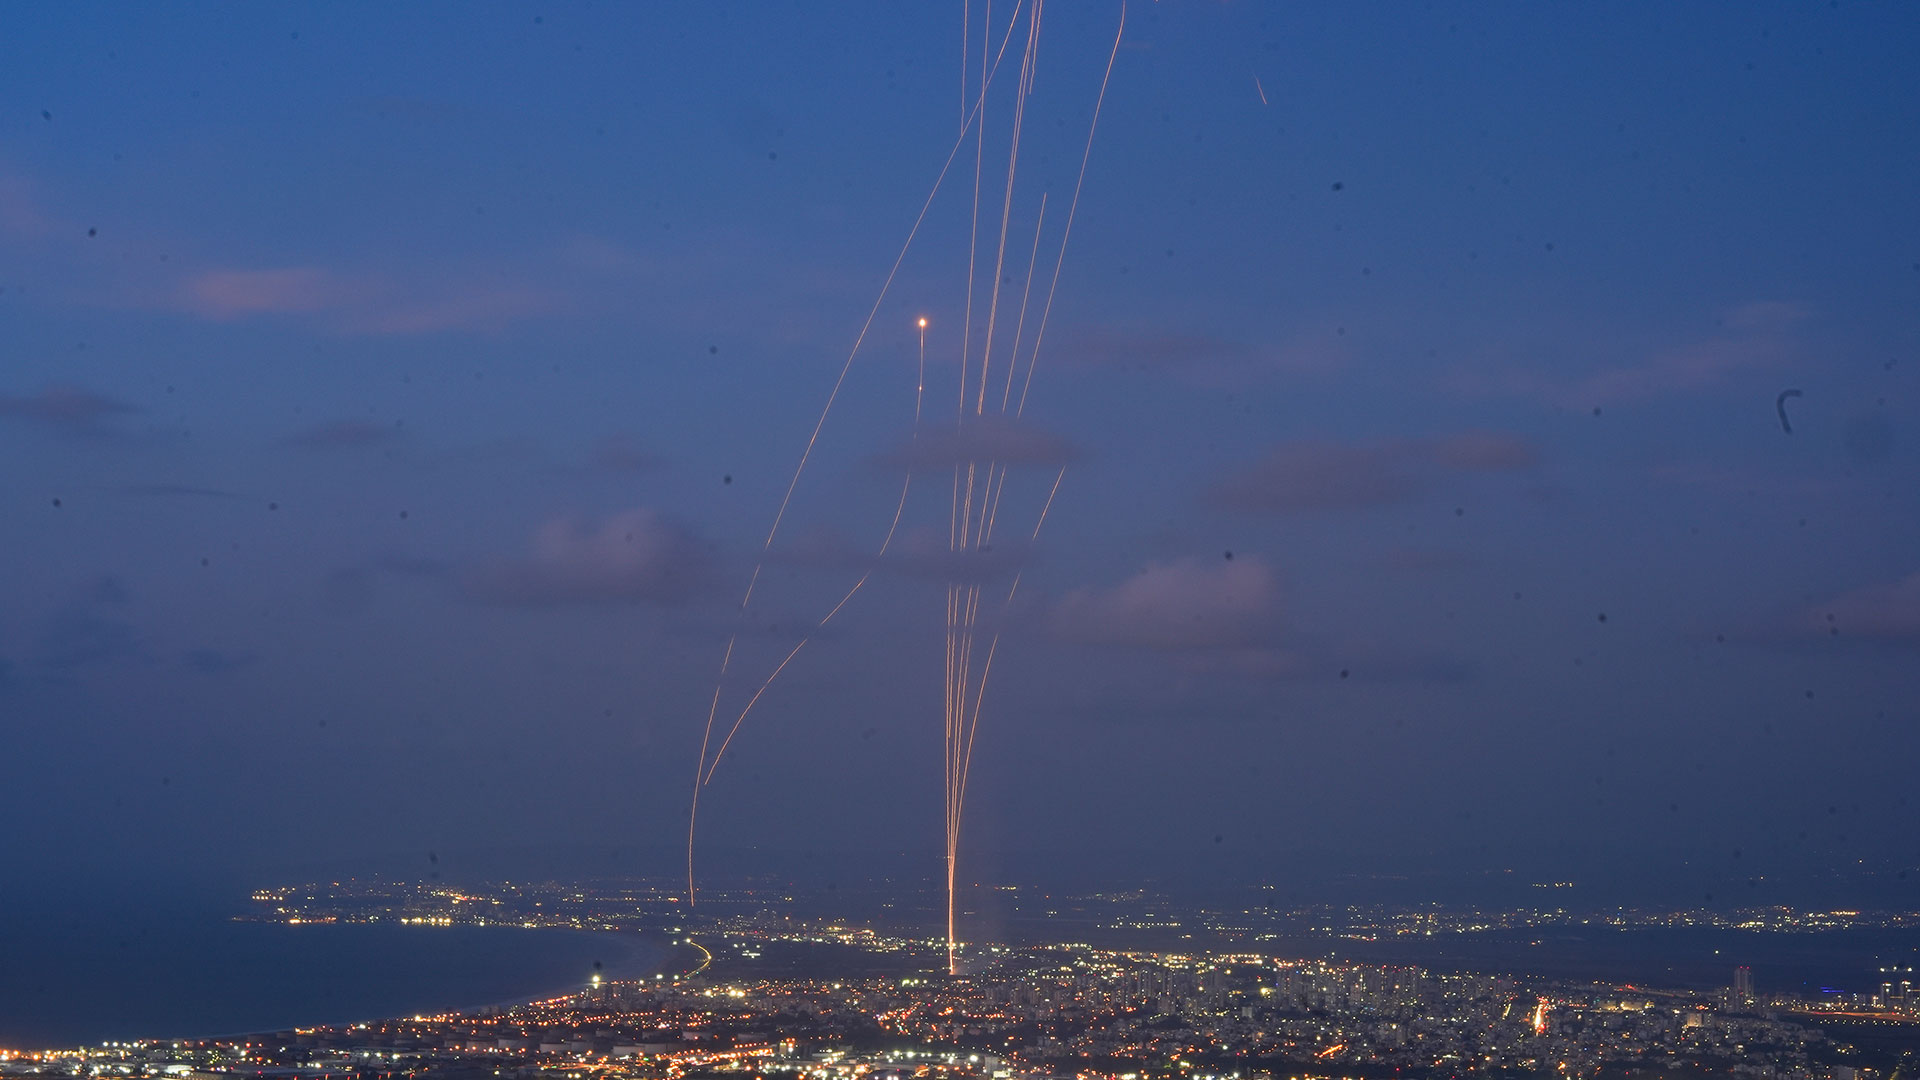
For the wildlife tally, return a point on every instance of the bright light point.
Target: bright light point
(923, 322)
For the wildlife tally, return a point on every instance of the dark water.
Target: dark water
(71, 977)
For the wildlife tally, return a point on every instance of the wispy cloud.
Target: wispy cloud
(231, 294)
(1888, 610)
(638, 556)
(364, 303)
(1748, 338)
(1322, 475)
(455, 289)
(70, 408)
(1687, 368)
(1225, 618)
(1181, 605)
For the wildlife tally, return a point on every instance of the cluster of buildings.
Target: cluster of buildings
(755, 994)
(1063, 1011)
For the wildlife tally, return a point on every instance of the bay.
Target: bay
(80, 976)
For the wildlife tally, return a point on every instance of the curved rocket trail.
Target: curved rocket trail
(977, 485)
(703, 770)
(971, 529)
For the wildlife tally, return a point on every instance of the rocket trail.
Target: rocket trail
(971, 529)
(1072, 208)
(701, 770)
(1006, 202)
(977, 489)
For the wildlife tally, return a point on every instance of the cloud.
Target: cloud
(1182, 605)
(1320, 475)
(230, 294)
(1752, 337)
(980, 439)
(1688, 368)
(67, 407)
(634, 557)
(1889, 610)
(344, 434)
(1223, 618)
(367, 303)
(1475, 451)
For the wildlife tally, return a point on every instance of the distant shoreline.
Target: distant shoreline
(230, 977)
(631, 941)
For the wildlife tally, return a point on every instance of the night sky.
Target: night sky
(394, 401)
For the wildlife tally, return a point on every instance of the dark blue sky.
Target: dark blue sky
(394, 401)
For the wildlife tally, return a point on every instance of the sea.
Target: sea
(82, 973)
(86, 974)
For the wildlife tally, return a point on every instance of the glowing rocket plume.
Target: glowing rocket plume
(978, 488)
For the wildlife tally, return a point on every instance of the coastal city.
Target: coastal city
(754, 987)
(959, 540)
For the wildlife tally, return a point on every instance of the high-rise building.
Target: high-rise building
(1743, 985)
